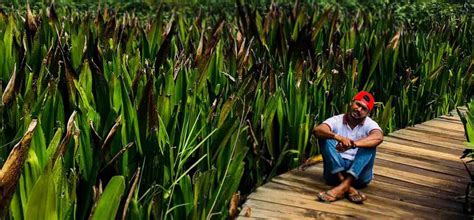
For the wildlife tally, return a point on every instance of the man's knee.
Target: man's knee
(365, 157)
(327, 143)
(366, 151)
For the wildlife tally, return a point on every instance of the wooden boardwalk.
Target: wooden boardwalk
(418, 174)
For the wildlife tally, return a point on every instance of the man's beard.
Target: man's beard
(356, 116)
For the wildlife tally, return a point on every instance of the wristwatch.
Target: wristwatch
(353, 145)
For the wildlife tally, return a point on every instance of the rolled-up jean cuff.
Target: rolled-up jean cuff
(337, 170)
(353, 174)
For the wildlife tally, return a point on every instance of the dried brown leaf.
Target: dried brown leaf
(311, 161)
(11, 170)
(130, 194)
(166, 45)
(394, 41)
(31, 25)
(234, 203)
(128, 146)
(65, 141)
(9, 93)
(113, 130)
(52, 15)
(248, 212)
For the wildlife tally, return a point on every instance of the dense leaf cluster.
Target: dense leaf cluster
(166, 111)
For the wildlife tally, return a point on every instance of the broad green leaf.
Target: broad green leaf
(109, 201)
(187, 191)
(42, 200)
(53, 145)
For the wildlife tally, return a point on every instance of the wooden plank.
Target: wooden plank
(376, 204)
(446, 124)
(259, 213)
(424, 143)
(442, 138)
(301, 179)
(423, 165)
(248, 218)
(452, 115)
(455, 180)
(419, 179)
(392, 198)
(441, 123)
(403, 152)
(432, 138)
(428, 190)
(273, 210)
(419, 151)
(447, 121)
(396, 194)
(416, 139)
(461, 108)
(455, 164)
(447, 134)
(456, 132)
(452, 118)
(307, 201)
(376, 208)
(316, 174)
(429, 146)
(413, 196)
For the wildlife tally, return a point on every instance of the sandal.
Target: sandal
(357, 198)
(326, 197)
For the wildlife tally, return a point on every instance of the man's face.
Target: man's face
(358, 110)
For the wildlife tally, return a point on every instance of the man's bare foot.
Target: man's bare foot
(326, 196)
(333, 194)
(338, 191)
(355, 196)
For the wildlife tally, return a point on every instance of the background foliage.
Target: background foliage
(159, 111)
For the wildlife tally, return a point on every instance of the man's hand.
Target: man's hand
(341, 148)
(344, 143)
(343, 140)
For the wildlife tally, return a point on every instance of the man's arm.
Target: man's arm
(373, 140)
(323, 131)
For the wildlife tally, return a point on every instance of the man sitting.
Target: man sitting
(348, 143)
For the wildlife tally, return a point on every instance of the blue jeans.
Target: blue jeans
(361, 168)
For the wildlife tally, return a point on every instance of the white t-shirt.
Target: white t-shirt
(339, 126)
